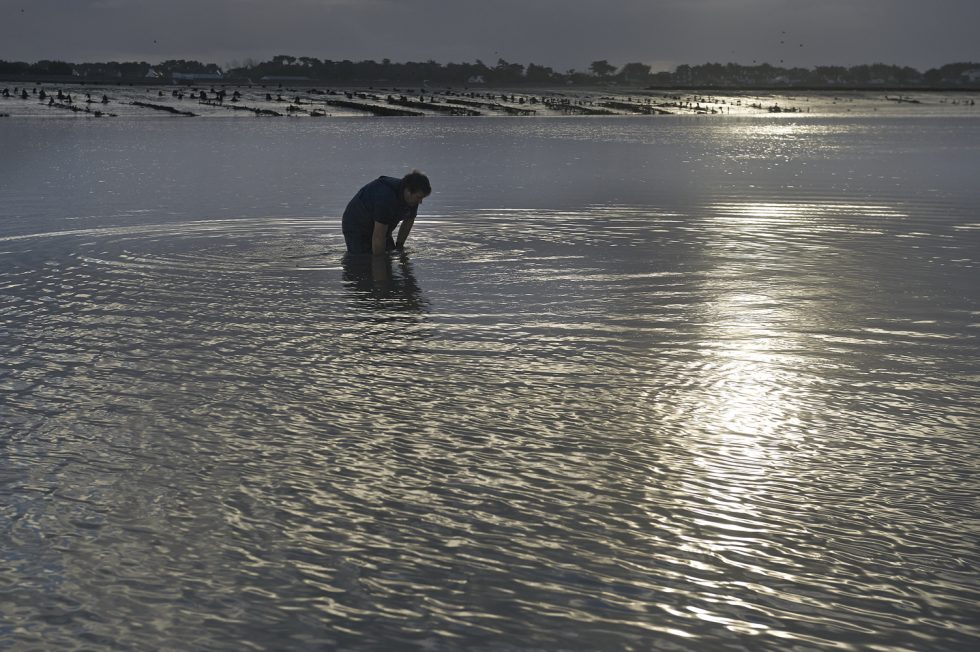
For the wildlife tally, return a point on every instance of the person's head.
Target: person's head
(415, 187)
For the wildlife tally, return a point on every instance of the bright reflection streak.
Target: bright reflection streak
(777, 130)
(748, 325)
(756, 321)
(759, 212)
(752, 389)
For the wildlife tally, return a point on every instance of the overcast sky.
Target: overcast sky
(562, 34)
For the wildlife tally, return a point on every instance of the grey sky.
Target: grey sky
(562, 34)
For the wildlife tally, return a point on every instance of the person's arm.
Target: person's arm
(379, 238)
(403, 232)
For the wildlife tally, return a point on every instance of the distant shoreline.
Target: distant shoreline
(595, 88)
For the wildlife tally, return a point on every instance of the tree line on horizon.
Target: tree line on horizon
(286, 67)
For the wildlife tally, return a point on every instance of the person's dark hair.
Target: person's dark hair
(416, 181)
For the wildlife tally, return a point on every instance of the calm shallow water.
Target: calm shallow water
(637, 384)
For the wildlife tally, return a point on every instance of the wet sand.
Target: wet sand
(274, 101)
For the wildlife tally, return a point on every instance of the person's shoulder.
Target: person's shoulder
(390, 185)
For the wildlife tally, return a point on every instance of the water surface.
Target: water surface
(680, 384)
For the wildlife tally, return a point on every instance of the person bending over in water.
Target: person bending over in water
(372, 215)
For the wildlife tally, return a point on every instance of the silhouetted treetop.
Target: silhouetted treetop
(286, 66)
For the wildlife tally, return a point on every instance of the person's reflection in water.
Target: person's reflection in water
(378, 282)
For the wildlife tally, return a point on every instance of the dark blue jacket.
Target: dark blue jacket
(383, 201)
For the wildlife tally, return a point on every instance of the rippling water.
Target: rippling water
(636, 384)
